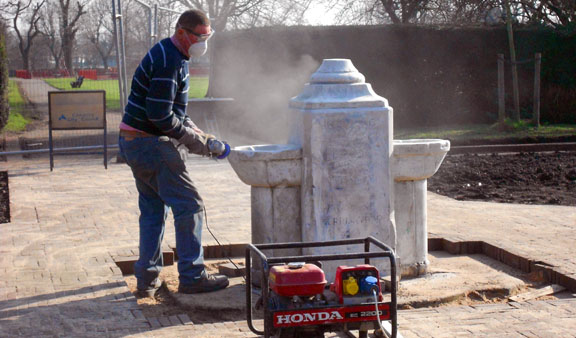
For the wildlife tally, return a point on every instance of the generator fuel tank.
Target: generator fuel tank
(297, 279)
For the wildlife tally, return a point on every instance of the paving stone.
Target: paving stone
(58, 251)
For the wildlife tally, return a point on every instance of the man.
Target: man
(154, 116)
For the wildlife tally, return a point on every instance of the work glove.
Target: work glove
(190, 124)
(196, 141)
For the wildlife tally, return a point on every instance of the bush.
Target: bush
(4, 107)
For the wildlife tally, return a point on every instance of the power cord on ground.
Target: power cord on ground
(217, 241)
(377, 310)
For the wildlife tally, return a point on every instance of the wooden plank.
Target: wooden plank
(501, 90)
(545, 291)
(536, 103)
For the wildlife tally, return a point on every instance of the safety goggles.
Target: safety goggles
(199, 37)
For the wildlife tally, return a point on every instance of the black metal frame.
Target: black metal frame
(266, 262)
(104, 127)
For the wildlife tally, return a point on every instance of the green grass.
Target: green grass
(16, 122)
(198, 88)
(522, 129)
(110, 86)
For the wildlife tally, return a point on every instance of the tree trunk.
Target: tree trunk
(67, 44)
(26, 60)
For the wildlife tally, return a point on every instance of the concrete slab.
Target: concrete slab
(233, 298)
(454, 277)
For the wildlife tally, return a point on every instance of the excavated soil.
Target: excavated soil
(527, 178)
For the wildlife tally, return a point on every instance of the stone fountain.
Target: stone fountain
(342, 176)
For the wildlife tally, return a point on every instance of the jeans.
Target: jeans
(163, 182)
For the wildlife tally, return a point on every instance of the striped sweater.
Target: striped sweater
(159, 93)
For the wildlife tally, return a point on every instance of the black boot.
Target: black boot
(206, 283)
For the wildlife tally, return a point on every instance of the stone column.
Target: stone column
(410, 210)
(276, 217)
(414, 161)
(346, 149)
(274, 173)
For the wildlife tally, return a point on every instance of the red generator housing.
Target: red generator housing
(299, 302)
(297, 279)
(350, 286)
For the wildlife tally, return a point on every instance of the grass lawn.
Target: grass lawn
(16, 122)
(198, 88)
(487, 132)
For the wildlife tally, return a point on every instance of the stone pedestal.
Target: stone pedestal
(343, 176)
(274, 172)
(414, 161)
(346, 149)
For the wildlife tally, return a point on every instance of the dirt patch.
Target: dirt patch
(166, 304)
(452, 280)
(464, 280)
(527, 178)
(4, 198)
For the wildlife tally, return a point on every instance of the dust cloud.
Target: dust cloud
(262, 90)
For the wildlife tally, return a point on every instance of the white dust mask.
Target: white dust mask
(198, 48)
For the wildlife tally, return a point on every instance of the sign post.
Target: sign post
(77, 110)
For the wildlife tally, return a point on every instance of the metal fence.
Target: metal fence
(27, 134)
(29, 90)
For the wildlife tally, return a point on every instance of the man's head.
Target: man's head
(193, 27)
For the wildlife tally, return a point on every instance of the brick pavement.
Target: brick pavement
(58, 277)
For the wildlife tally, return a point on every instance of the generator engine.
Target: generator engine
(300, 297)
(298, 301)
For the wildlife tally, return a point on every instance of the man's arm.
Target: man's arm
(161, 94)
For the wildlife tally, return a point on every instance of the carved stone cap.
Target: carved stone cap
(337, 71)
(337, 85)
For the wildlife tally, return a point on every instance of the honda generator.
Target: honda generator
(298, 301)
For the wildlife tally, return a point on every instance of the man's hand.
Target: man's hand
(203, 144)
(196, 141)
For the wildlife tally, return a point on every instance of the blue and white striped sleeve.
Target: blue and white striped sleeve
(161, 95)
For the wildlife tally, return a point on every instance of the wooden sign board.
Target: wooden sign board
(75, 110)
(71, 110)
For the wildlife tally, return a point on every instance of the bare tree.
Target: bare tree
(404, 11)
(549, 12)
(382, 11)
(250, 13)
(26, 15)
(222, 11)
(51, 31)
(460, 11)
(98, 30)
(69, 15)
(417, 11)
(272, 13)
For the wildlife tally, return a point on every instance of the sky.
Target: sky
(320, 15)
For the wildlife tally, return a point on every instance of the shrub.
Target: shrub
(4, 107)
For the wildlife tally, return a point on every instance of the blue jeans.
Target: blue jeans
(163, 182)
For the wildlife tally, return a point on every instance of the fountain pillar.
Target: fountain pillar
(346, 141)
(414, 161)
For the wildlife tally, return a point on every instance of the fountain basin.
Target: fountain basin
(268, 165)
(417, 159)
